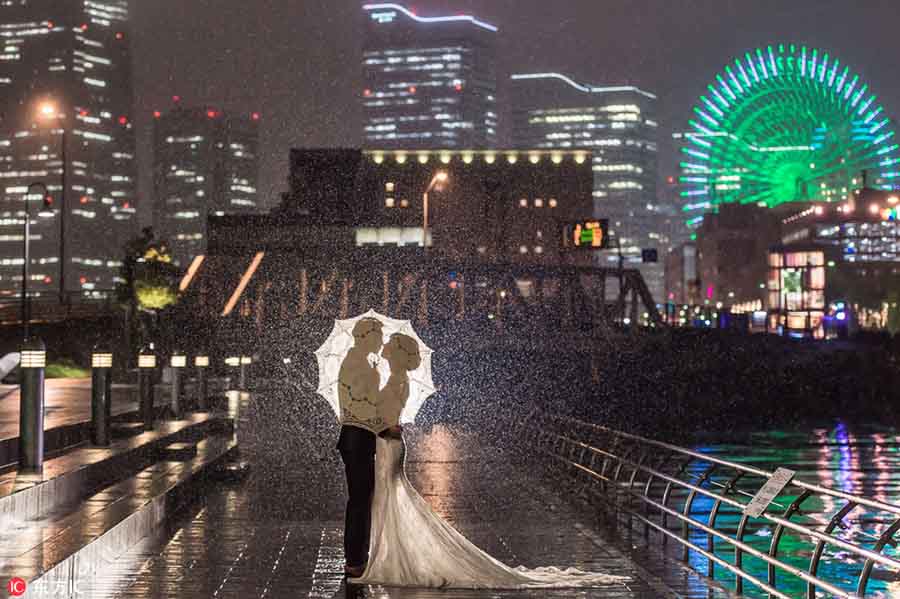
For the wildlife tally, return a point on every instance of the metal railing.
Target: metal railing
(698, 500)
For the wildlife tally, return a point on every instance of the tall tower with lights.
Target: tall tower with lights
(618, 124)
(65, 122)
(428, 82)
(206, 163)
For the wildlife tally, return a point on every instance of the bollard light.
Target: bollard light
(177, 362)
(101, 360)
(101, 394)
(201, 363)
(233, 361)
(246, 361)
(146, 368)
(33, 360)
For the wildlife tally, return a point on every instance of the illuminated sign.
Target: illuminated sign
(384, 17)
(591, 234)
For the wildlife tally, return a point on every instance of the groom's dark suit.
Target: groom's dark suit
(357, 447)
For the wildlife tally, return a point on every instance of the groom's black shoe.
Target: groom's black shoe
(354, 571)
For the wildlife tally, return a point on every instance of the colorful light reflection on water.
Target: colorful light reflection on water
(845, 458)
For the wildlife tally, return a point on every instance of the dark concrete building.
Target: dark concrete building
(428, 82)
(206, 163)
(494, 206)
(66, 122)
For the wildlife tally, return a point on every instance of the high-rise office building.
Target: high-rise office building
(428, 82)
(65, 122)
(618, 124)
(206, 162)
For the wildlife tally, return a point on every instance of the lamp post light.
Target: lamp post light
(233, 362)
(439, 177)
(26, 254)
(101, 394)
(246, 361)
(49, 110)
(146, 368)
(201, 364)
(178, 362)
(31, 405)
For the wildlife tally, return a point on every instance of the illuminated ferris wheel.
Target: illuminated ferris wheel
(783, 124)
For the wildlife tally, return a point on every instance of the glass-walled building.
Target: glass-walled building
(428, 82)
(618, 124)
(206, 162)
(65, 122)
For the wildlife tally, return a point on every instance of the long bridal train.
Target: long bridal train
(413, 546)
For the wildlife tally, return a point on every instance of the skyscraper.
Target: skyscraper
(206, 162)
(65, 122)
(428, 82)
(618, 124)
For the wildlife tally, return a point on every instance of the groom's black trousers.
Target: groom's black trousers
(357, 447)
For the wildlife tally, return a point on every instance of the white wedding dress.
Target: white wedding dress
(412, 546)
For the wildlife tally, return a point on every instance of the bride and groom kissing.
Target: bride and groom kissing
(392, 536)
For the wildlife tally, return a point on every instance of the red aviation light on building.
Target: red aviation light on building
(120, 35)
(176, 98)
(82, 280)
(412, 89)
(49, 24)
(126, 205)
(84, 26)
(48, 280)
(367, 92)
(157, 114)
(255, 116)
(83, 112)
(84, 199)
(458, 87)
(212, 114)
(123, 120)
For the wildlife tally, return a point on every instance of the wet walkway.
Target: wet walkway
(281, 536)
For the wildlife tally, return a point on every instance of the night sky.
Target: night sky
(297, 61)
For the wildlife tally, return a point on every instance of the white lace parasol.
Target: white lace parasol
(335, 349)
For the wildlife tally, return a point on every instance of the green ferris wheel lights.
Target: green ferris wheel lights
(784, 123)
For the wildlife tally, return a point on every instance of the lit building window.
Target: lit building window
(538, 249)
(523, 203)
(389, 186)
(539, 203)
(523, 249)
(553, 203)
(389, 202)
(404, 203)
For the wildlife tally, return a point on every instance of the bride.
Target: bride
(410, 544)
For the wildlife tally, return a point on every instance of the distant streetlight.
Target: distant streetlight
(26, 254)
(50, 111)
(439, 177)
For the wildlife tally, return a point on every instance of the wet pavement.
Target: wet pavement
(279, 533)
(68, 401)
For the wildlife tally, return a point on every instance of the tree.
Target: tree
(149, 284)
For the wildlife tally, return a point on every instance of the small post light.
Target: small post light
(146, 370)
(246, 361)
(101, 394)
(33, 360)
(201, 365)
(178, 361)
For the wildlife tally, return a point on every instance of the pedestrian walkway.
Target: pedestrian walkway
(67, 401)
(280, 535)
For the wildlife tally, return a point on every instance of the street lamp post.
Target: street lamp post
(439, 177)
(50, 111)
(26, 254)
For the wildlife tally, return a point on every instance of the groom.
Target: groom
(358, 392)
